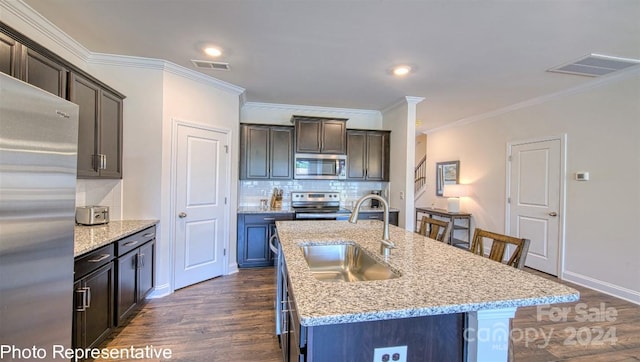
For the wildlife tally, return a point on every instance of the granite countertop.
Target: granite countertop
(258, 210)
(88, 238)
(436, 278)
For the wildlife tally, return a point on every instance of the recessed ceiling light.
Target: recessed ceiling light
(212, 51)
(401, 70)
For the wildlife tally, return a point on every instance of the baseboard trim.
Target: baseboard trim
(160, 291)
(601, 286)
(233, 268)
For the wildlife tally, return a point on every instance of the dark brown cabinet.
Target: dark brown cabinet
(368, 155)
(99, 131)
(254, 232)
(379, 215)
(10, 55)
(44, 73)
(100, 123)
(266, 152)
(320, 135)
(93, 298)
(134, 272)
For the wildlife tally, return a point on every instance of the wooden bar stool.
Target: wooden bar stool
(435, 229)
(499, 247)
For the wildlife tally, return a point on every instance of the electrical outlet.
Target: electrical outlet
(390, 354)
(401, 195)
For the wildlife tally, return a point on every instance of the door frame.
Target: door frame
(175, 124)
(562, 192)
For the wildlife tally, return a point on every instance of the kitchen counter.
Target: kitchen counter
(258, 210)
(88, 238)
(436, 278)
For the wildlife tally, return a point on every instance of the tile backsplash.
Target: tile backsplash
(250, 191)
(101, 192)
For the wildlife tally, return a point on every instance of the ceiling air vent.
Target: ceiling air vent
(595, 65)
(206, 64)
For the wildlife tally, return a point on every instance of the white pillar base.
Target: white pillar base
(487, 335)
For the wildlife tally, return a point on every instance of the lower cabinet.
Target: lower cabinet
(134, 271)
(254, 232)
(93, 298)
(110, 283)
(428, 338)
(378, 215)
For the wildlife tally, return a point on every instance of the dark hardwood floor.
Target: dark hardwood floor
(230, 318)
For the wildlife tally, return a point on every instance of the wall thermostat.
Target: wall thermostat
(582, 176)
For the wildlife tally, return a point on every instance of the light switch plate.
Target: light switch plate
(582, 176)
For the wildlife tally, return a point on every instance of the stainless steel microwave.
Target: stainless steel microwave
(310, 166)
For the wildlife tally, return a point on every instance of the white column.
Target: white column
(487, 335)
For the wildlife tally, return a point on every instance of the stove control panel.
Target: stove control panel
(315, 196)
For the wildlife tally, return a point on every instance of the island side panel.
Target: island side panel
(430, 338)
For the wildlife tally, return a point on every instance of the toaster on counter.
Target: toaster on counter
(92, 215)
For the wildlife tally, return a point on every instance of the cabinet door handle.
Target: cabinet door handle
(141, 259)
(99, 259)
(148, 235)
(103, 162)
(88, 305)
(373, 217)
(269, 219)
(82, 296)
(130, 243)
(553, 213)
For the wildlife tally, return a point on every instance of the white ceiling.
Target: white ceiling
(470, 56)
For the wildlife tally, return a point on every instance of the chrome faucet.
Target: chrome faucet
(385, 244)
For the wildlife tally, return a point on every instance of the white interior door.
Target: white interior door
(201, 224)
(535, 201)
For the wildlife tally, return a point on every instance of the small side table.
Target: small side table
(452, 217)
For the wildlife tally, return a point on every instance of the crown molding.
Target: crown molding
(596, 83)
(45, 27)
(150, 63)
(310, 109)
(402, 102)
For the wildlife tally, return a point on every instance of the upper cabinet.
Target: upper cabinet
(32, 67)
(320, 135)
(99, 129)
(100, 117)
(368, 155)
(10, 55)
(266, 152)
(44, 73)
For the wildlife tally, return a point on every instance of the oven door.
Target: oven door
(320, 167)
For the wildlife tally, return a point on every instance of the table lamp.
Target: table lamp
(454, 192)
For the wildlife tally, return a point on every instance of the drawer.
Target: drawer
(266, 218)
(134, 241)
(371, 216)
(92, 261)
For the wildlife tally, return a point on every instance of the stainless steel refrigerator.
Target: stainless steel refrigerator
(38, 151)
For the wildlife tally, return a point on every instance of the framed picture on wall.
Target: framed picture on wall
(447, 173)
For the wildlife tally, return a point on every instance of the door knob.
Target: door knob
(182, 215)
(553, 213)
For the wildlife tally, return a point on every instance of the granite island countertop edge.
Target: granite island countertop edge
(419, 293)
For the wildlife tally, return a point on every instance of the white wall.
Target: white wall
(270, 113)
(401, 118)
(602, 124)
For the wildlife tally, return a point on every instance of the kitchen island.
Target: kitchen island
(463, 301)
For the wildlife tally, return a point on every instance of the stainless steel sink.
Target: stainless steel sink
(346, 262)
